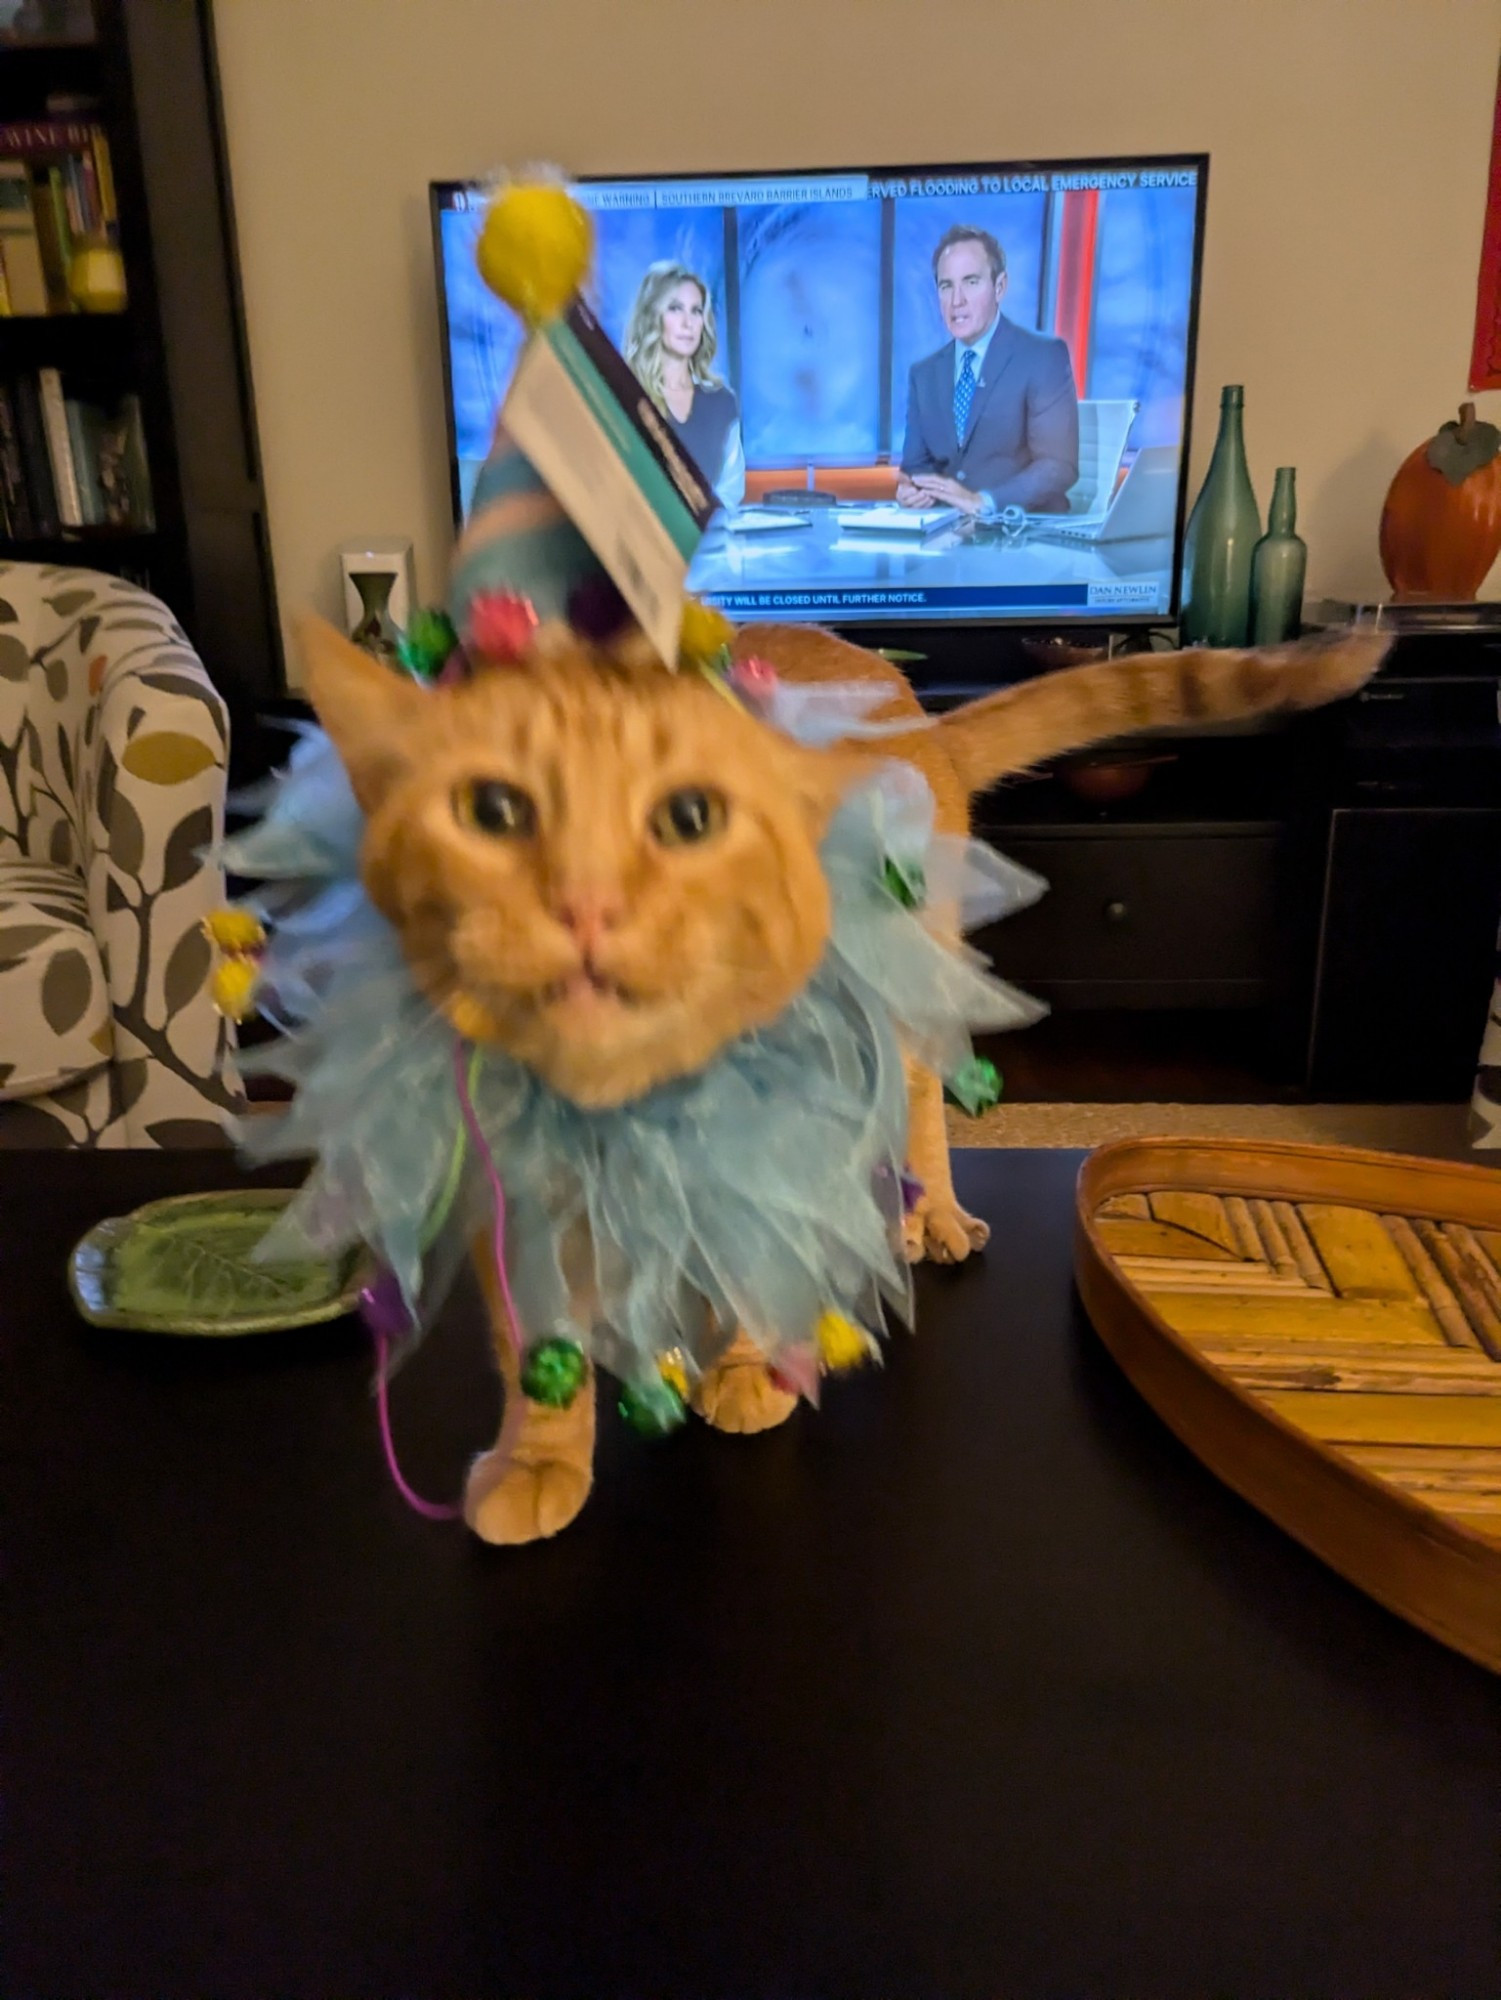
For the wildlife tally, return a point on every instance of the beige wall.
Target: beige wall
(1349, 143)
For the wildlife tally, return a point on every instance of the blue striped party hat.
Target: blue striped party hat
(519, 545)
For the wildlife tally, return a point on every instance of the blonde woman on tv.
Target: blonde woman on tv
(670, 343)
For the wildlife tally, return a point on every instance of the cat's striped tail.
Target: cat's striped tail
(1068, 710)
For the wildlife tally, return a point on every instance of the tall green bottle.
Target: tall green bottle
(1223, 529)
(1278, 565)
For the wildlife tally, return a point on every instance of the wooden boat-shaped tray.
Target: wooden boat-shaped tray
(1322, 1328)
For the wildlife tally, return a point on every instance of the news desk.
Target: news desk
(823, 550)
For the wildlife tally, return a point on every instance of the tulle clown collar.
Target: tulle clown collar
(764, 1192)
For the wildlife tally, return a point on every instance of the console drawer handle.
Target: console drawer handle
(1117, 910)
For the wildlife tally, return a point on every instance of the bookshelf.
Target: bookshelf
(148, 77)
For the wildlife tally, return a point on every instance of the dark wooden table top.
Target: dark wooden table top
(972, 1684)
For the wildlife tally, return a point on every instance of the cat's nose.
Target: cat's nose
(589, 914)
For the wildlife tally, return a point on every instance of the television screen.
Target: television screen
(921, 395)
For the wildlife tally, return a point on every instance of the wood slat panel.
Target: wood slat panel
(1416, 1468)
(1238, 1215)
(1392, 1371)
(1135, 1205)
(1447, 1309)
(1314, 1316)
(1474, 1253)
(1194, 1274)
(1476, 1522)
(1475, 1280)
(1340, 1417)
(1125, 1237)
(1275, 1246)
(1201, 1214)
(1358, 1253)
(1310, 1264)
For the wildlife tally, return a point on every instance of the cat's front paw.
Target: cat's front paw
(528, 1502)
(942, 1232)
(739, 1392)
(525, 1496)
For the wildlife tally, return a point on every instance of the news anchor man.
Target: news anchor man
(993, 416)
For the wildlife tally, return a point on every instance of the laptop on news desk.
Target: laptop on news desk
(1146, 505)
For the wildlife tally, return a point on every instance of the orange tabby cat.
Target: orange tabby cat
(612, 872)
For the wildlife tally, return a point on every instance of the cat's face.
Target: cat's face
(608, 871)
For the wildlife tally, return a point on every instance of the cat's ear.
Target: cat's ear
(368, 710)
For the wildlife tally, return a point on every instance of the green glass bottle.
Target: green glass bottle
(1223, 529)
(1278, 565)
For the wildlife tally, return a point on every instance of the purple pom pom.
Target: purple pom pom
(383, 1309)
(596, 609)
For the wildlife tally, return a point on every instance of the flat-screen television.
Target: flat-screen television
(926, 397)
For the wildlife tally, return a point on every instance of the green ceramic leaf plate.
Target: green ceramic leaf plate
(185, 1266)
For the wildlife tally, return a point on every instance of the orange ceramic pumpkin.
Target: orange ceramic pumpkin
(1441, 525)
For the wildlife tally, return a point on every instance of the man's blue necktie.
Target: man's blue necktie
(964, 394)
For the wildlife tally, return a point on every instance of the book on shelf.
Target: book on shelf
(54, 236)
(109, 462)
(20, 250)
(85, 476)
(26, 399)
(62, 165)
(72, 457)
(60, 448)
(19, 522)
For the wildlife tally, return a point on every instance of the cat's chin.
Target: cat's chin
(601, 1048)
(588, 1040)
(602, 1045)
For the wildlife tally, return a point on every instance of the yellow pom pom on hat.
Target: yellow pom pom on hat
(705, 633)
(536, 247)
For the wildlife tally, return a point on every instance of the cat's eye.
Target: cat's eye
(491, 806)
(688, 815)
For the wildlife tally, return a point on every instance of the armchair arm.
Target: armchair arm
(152, 785)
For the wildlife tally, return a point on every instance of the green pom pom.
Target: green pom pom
(905, 881)
(652, 1409)
(976, 1085)
(553, 1372)
(426, 644)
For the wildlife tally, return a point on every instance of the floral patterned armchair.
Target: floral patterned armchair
(113, 758)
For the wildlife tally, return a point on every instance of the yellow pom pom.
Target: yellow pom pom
(232, 986)
(535, 247)
(842, 1344)
(705, 633)
(672, 1371)
(474, 1022)
(234, 930)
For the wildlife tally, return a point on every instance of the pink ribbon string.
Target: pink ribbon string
(430, 1510)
